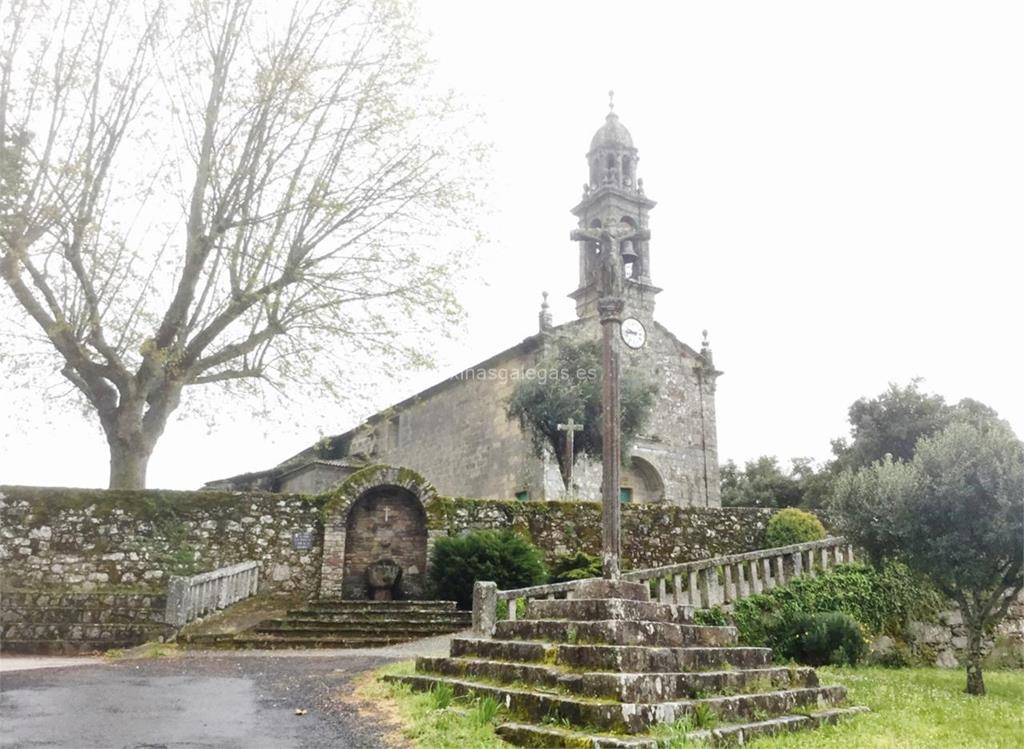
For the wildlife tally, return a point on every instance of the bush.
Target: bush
(501, 557)
(793, 526)
(713, 617)
(829, 638)
(578, 566)
(884, 601)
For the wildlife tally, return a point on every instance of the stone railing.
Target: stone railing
(189, 598)
(702, 584)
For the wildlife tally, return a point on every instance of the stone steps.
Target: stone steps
(625, 658)
(385, 618)
(734, 734)
(327, 604)
(616, 632)
(606, 669)
(594, 609)
(624, 687)
(286, 628)
(346, 624)
(635, 717)
(263, 642)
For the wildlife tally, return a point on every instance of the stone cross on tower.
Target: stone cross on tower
(570, 446)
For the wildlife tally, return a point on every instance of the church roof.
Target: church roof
(611, 134)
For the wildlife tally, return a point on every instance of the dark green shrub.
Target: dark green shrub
(830, 638)
(793, 526)
(578, 566)
(501, 557)
(883, 600)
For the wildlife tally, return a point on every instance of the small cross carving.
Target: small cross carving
(386, 511)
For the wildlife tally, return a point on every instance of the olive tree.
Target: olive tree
(233, 194)
(568, 386)
(954, 513)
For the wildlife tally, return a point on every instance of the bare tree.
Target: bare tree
(219, 195)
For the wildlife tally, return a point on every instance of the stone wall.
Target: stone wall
(59, 622)
(652, 535)
(88, 540)
(943, 642)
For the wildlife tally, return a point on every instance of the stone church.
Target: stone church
(457, 434)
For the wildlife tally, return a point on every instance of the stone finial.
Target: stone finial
(545, 314)
(705, 348)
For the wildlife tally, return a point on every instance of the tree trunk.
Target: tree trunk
(975, 680)
(128, 462)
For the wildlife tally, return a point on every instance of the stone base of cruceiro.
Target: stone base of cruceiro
(605, 667)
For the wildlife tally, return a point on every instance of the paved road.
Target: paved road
(243, 701)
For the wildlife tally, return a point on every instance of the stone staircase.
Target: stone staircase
(344, 624)
(608, 666)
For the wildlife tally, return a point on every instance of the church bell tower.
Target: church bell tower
(614, 208)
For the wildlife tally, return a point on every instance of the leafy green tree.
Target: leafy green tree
(893, 422)
(568, 386)
(955, 514)
(762, 483)
(219, 194)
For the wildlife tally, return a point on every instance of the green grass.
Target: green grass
(434, 721)
(914, 708)
(919, 708)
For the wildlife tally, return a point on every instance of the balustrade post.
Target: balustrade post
(692, 591)
(677, 589)
(729, 591)
(824, 558)
(780, 570)
(766, 577)
(742, 589)
(513, 609)
(705, 587)
(485, 608)
(662, 592)
(754, 581)
(798, 563)
(849, 554)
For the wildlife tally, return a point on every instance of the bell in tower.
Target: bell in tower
(612, 217)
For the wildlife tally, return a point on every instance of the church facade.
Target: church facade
(457, 433)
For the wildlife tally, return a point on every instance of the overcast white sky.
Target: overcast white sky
(840, 194)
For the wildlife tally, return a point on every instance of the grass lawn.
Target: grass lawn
(919, 708)
(914, 708)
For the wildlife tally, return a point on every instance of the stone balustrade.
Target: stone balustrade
(189, 598)
(719, 581)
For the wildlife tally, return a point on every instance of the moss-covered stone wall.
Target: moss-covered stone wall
(94, 540)
(89, 540)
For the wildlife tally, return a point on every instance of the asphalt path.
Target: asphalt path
(229, 700)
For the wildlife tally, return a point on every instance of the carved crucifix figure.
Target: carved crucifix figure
(570, 430)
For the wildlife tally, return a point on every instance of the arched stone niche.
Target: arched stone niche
(377, 514)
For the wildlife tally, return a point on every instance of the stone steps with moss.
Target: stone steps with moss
(616, 632)
(286, 628)
(594, 609)
(625, 658)
(345, 624)
(627, 672)
(270, 642)
(632, 717)
(625, 687)
(732, 734)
